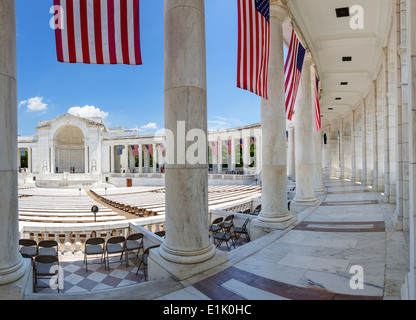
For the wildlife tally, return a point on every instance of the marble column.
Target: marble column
(318, 186)
(53, 161)
(125, 158)
(112, 159)
(291, 153)
(246, 154)
(140, 158)
(29, 159)
(86, 161)
(132, 162)
(233, 161)
(258, 155)
(12, 266)
(304, 119)
(19, 159)
(274, 213)
(411, 98)
(187, 249)
(353, 157)
(364, 177)
(228, 155)
(154, 158)
(146, 160)
(219, 154)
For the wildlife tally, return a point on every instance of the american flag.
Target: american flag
(98, 31)
(253, 45)
(317, 108)
(214, 148)
(293, 70)
(228, 144)
(149, 147)
(135, 150)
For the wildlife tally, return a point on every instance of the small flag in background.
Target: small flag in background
(135, 150)
(293, 70)
(162, 149)
(214, 148)
(149, 147)
(317, 108)
(253, 45)
(228, 144)
(98, 32)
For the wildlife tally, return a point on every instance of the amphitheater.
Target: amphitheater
(280, 211)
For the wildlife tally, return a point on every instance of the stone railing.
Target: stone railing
(71, 237)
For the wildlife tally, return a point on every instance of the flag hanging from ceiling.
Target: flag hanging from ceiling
(317, 108)
(253, 45)
(98, 31)
(293, 70)
(135, 150)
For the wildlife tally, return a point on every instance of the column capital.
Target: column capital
(278, 10)
(308, 59)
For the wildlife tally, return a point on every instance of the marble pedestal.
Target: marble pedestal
(160, 268)
(260, 228)
(18, 288)
(297, 206)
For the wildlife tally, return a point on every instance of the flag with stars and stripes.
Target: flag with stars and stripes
(293, 71)
(317, 108)
(253, 45)
(97, 31)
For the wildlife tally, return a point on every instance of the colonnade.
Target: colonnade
(127, 158)
(234, 148)
(372, 144)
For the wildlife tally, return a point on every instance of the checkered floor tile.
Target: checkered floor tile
(77, 279)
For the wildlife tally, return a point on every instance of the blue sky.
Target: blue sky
(128, 96)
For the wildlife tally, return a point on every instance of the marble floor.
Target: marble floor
(318, 258)
(344, 248)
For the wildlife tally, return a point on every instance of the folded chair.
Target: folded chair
(224, 236)
(133, 242)
(144, 260)
(238, 231)
(28, 248)
(94, 246)
(115, 245)
(46, 266)
(216, 225)
(48, 247)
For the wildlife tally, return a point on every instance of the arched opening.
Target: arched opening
(69, 150)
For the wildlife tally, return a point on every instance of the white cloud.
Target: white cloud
(147, 127)
(34, 104)
(88, 112)
(220, 123)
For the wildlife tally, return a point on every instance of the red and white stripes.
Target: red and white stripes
(253, 49)
(99, 32)
(317, 108)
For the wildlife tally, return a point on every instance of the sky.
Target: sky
(125, 96)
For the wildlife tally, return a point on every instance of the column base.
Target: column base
(260, 227)
(319, 191)
(160, 268)
(297, 205)
(16, 289)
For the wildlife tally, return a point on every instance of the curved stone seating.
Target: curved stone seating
(151, 201)
(62, 206)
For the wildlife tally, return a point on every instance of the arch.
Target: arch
(68, 141)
